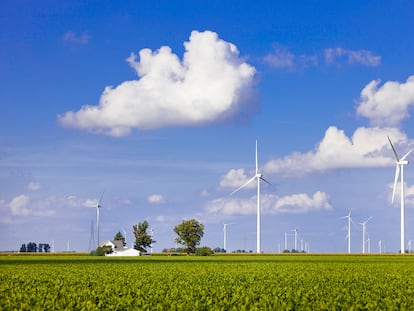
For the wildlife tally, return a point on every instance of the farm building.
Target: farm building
(118, 249)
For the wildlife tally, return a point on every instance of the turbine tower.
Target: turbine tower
(399, 168)
(295, 238)
(225, 235)
(364, 232)
(258, 176)
(349, 230)
(98, 206)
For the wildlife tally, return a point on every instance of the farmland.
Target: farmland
(266, 282)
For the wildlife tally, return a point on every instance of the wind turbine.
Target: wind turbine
(349, 230)
(225, 235)
(400, 167)
(296, 238)
(98, 206)
(364, 227)
(258, 176)
(286, 246)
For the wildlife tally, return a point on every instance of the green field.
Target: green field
(231, 282)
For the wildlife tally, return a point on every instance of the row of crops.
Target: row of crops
(283, 282)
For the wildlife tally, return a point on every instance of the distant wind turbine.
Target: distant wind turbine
(296, 238)
(225, 235)
(400, 168)
(364, 232)
(98, 207)
(258, 177)
(349, 230)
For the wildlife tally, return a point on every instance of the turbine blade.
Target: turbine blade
(393, 150)
(397, 173)
(257, 161)
(406, 155)
(98, 204)
(265, 181)
(244, 185)
(369, 219)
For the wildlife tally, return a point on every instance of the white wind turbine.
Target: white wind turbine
(400, 169)
(98, 207)
(349, 230)
(258, 176)
(295, 238)
(225, 235)
(364, 231)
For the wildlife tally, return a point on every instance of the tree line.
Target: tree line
(32, 247)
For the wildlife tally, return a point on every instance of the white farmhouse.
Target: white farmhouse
(118, 249)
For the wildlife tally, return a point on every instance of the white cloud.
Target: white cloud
(210, 84)
(302, 203)
(18, 206)
(282, 58)
(156, 199)
(409, 194)
(33, 186)
(362, 57)
(235, 178)
(22, 206)
(72, 37)
(90, 203)
(270, 204)
(368, 147)
(387, 105)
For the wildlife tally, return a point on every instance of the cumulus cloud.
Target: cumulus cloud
(235, 178)
(270, 204)
(18, 205)
(33, 186)
(211, 84)
(368, 147)
(387, 105)
(362, 57)
(156, 199)
(72, 37)
(21, 205)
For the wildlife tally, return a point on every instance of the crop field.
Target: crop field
(266, 282)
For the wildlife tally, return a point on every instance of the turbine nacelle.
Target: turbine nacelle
(403, 162)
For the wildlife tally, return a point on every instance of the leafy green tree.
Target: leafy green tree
(102, 250)
(142, 238)
(119, 237)
(189, 234)
(204, 251)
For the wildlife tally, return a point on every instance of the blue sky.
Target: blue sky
(159, 104)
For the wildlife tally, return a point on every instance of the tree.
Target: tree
(31, 247)
(204, 251)
(102, 250)
(46, 248)
(142, 239)
(189, 234)
(120, 237)
(23, 248)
